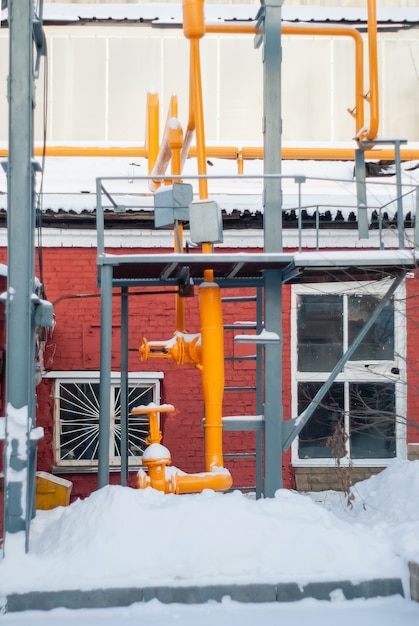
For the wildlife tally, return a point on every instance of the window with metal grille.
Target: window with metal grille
(77, 418)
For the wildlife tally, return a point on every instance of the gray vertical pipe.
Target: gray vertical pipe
(20, 367)
(361, 194)
(105, 374)
(417, 218)
(259, 394)
(400, 216)
(124, 386)
(272, 129)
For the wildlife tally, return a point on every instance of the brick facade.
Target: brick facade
(69, 276)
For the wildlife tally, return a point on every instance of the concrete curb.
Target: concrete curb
(281, 592)
(414, 580)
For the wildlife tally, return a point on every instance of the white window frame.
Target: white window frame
(148, 379)
(356, 371)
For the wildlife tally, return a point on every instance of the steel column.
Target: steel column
(124, 386)
(272, 129)
(19, 455)
(105, 374)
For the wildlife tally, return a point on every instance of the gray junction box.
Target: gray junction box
(171, 203)
(205, 222)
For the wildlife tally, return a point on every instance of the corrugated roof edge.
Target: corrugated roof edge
(164, 13)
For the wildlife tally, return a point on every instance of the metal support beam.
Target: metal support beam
(417, 218)
(367, 144)
(20, 454)
(259, 393)
(270, 20)
(105, 374)
(273, 410)
(361, 194)
(124, 386)
(293, 427)
(400, 216)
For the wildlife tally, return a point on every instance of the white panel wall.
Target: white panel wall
(99, 76)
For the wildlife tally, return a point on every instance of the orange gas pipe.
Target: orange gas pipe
(212, 370)
(230, 152)
(308, 29)
(372, 97)
(152, 139)
(164, 154)
(194, 30)
(175, 145)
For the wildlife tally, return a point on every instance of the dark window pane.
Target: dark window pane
(323, 435)
(320, 332)
(372, 420)
(379, 341)
(137, 424)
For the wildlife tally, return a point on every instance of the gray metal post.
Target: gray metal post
(272, 129)
(20, 366)
(105, 374)
(259, 394)
(361, 194)
(400, 216)
(124, 386)
(417, 218)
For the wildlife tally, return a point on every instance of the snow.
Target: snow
(69, 184)
(377, 612)
(123, 537)
(171, 13)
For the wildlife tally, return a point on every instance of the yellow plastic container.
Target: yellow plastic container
(52, 491)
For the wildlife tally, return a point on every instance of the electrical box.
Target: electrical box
(205, 222)
(171, 203)
(52, 491)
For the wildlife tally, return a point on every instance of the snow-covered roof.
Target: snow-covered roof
(326, 188)
(164, 14)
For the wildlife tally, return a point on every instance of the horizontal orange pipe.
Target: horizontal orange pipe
(192, 483)
(231, 152)
(343, 31)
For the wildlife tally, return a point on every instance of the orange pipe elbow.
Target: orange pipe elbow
(308, 29)
(193, 19)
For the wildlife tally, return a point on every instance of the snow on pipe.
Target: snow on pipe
(164, 153)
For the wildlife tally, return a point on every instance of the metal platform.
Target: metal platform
(242, 269)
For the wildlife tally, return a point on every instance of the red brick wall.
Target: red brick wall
(69, 276)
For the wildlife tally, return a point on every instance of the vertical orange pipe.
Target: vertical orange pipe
(152, 129)
(190, 129)
(373, 69)
(175, 145)
(199, 118)
(164, 153)
(212, 354)
(212, 338)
